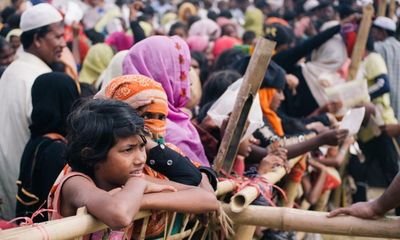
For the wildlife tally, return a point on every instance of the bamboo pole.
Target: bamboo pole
(392, 9)
(251, 83)
(225, 187)
(247, 195)
(361, 41)
(66, 228)
(291, 193)
(317, 222)
(382, 8)
(244, 232)
(323, 201)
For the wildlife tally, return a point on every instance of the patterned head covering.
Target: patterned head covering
(134, 88)
(167, 61)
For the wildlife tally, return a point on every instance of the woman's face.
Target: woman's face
(124, 160)
(195, 65)
(276, 100)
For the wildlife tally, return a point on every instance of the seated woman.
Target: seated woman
(162, 156)
(106, 153)
(53, 95)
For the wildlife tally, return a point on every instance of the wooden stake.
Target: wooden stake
(392, 9)
(251, 83)
(361, 41)
(317, 222)
(382, 8)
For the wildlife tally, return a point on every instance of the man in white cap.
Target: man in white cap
(43, 41)
(383, 31)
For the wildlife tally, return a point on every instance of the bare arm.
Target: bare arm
(116, 210)
(332, 137)
(194, 200)
(376, 208)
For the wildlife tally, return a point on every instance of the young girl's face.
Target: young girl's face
(125, 159)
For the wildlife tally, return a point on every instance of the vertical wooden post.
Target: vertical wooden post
(361, 41)
(382, 8)
(251, 83)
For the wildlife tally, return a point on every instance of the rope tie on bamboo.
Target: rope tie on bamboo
(264, 188)
(29, 221)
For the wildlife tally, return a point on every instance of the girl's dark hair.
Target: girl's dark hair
(217, 84)
(202, 60)
(95, 127)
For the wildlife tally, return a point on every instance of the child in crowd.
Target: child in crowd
(162, 156)
(106, 153)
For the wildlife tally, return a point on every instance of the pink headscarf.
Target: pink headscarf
(224, 43)
(205, 27)
(120, 40)
(197, 43)
(167, 60)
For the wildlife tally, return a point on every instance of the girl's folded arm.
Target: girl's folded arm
(193, 200)
(115, 210)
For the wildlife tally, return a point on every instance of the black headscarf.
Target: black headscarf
(274, 76)
(53, 95)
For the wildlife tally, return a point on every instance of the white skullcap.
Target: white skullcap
(38, 16)
(385, 23)
(310, 4)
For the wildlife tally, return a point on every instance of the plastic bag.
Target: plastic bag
(221, 109)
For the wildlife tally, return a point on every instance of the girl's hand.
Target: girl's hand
(155, 188)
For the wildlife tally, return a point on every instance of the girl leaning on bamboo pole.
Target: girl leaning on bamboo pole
(106, 155)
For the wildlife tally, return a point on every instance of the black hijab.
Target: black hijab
(53, 95)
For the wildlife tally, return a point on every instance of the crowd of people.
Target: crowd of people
(120, 106)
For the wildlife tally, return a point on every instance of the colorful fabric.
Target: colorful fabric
(205, 27)
(84, 42)
(96, 61)
(224, 43)
(120, 41)
(133, 88)
(254, 21)
(198, 43)
(167, 60)
(114, 69)
(266, 95)
(186, 10)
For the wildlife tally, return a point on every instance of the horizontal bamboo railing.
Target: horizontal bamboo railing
(247, 195)
(316, 222)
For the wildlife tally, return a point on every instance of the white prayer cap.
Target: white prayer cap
(385, 23)
(310, 5)
(38, 16)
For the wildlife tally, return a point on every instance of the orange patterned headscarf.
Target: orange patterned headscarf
(266, 95)
(134, 88)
